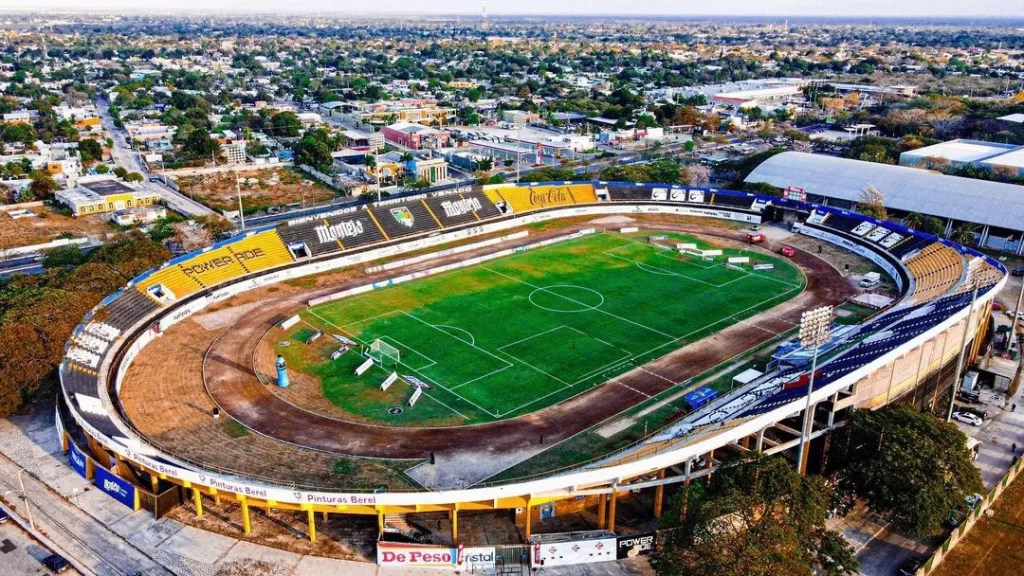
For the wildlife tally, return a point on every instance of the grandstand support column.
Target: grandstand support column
(611, 507)
(529, 514)
(453, 517)
(659, 494)
(154, 482)
(760, 439)
(246, 523)
(960, 357)
(311, 519)
(325, 516)
(984, 236)
(832, 412)
(601, 498)
(380, 522)
(197, 499)
(920, 365)
(892, 375)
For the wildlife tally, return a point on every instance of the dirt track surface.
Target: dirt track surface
(230, 380)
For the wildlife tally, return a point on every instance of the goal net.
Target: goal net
(386, 355)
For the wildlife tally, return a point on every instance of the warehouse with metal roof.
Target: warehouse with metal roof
(996, 208)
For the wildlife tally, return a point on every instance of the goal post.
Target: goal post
(386, 355)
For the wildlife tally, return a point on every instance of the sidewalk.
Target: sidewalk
(109, 539)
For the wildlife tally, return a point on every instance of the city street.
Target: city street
(124, 156)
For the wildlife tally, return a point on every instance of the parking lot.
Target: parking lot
(20, 553)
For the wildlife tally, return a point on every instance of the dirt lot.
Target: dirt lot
(46, 226)
(260, 189)
(993, 546)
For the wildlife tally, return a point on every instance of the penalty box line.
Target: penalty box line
(421, 374)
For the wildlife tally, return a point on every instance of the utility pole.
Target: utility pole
(960, 359)
(815, 330)
(238, 189)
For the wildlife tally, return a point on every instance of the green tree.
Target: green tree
(757, 517)
(120, 172)
(964, 234)
(200, 145)
(133, 177)
(102, 169)
(90, 151)
(43, 185)
(914, 220)
(912, 467)
(285, 124)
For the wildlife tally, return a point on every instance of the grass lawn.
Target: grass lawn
(514, 335)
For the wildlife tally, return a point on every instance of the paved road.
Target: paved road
(20, 553)
(124, 156)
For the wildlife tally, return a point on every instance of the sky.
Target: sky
(918, 8)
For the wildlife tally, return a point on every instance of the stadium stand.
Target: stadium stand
(527, 198)
(728, 200)
(936, 269)
(460, 208)
(841, 222)
(130, 307)
(908, 246)
(629, 193)
(405, 219)
(331, 232)
(223, 261)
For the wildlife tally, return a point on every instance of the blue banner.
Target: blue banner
(77, 460)
(116, 487)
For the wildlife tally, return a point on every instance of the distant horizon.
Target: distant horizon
(924, 10)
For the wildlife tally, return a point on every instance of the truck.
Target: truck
(754, 237)
(870, 280)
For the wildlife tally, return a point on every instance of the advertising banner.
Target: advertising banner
(77, 460)
(396, 554)
(575, 552)
(476, 558)
(116, 487)
(635, 545)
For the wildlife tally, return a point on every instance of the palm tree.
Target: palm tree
(914, 220)
(406, 156)
(963, 234)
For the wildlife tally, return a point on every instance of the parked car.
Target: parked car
(983, 414)
(910, 566)
(4, 516)
(973, 501)
(968, 418)
(1017, 271)
(969, 397)
(56, 563)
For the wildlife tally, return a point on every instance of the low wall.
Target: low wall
(965, 528)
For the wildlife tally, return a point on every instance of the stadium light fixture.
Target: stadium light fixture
(815, 330)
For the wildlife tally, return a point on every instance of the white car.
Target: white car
(967, 418)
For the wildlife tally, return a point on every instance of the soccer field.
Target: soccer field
(517, 334)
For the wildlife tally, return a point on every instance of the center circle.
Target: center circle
(566, 298)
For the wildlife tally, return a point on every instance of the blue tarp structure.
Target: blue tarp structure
(700, 397)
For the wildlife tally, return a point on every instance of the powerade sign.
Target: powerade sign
(635, 545)
(117, 488)
(77, 460)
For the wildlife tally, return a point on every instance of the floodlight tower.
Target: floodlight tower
(483, 14)
(815, 330)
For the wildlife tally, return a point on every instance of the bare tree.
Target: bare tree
(1004, 173)
(695, 175)
(191, 236)
(872, 203)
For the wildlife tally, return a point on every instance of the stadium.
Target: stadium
(439, 349)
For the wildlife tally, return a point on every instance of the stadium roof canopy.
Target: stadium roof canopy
(908, 189)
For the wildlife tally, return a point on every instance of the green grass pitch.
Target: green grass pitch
(514, 335)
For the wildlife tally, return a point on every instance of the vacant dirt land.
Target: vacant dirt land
(993, 546)
(46, 226)
(259, 189)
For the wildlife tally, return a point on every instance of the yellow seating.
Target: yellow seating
(254, 253)
(527, 198)
(936, 270)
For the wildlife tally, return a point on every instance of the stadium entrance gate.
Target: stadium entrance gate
(512, 560)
